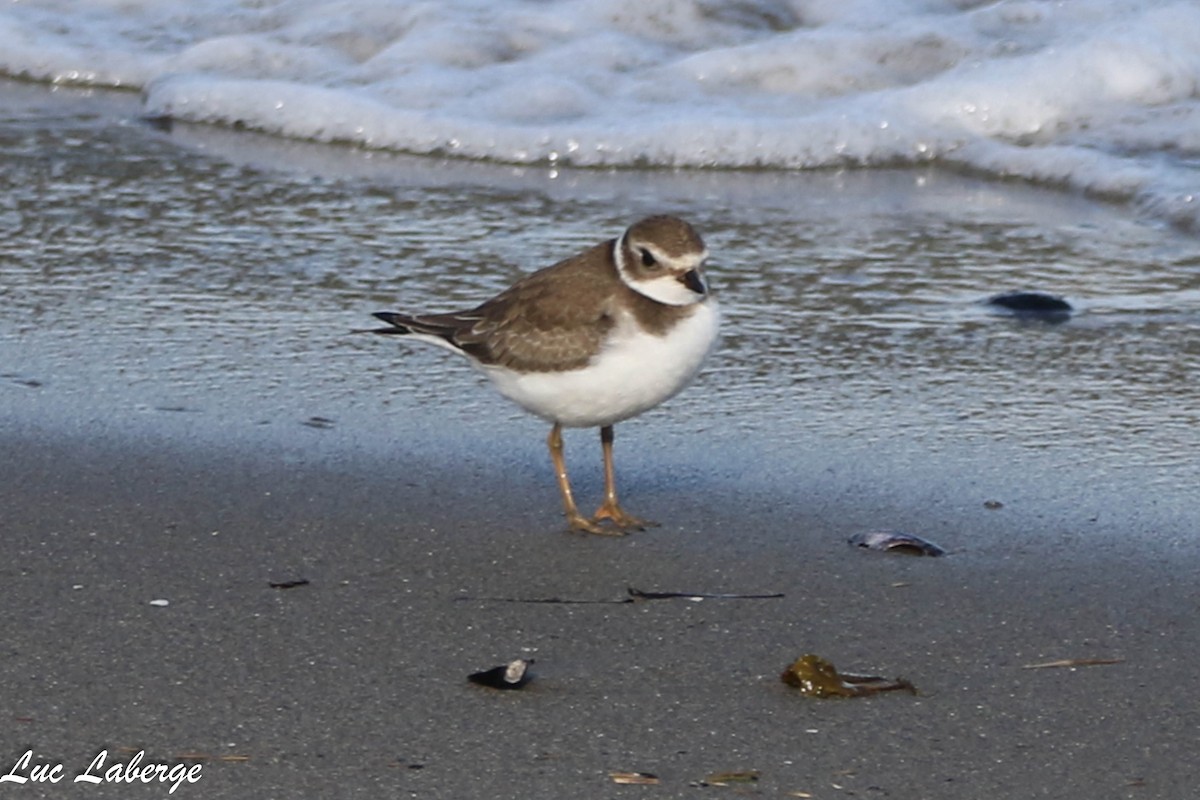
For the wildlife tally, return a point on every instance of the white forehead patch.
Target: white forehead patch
(678, 264)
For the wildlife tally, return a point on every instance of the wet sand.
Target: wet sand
(355, 685)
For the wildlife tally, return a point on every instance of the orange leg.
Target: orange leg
(611, 509)
(575, 520)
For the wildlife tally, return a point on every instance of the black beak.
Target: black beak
(692, 280)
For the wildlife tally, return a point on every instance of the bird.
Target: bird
(593, 340)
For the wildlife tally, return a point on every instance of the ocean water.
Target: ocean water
(1098, 96)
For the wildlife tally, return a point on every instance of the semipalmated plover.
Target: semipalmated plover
(590, 341)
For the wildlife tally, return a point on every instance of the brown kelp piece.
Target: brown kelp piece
(816, 677)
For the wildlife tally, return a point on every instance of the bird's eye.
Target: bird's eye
(648, 258)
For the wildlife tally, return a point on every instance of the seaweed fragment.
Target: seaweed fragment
(727, 778)
(638, 594)
(817, 677)
(634, 778)
(288, 584)
(1074, 662)
(632, 595)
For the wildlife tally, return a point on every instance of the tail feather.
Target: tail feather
(397, 323)
(442, 332)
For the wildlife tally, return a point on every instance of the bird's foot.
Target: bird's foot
(578, 522)
(613, 513)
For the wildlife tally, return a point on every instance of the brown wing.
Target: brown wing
(553, 319)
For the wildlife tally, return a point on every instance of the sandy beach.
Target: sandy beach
(208, 438)
(355, 684)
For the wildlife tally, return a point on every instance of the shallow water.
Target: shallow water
(148, 271)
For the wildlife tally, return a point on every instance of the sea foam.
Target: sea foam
(1095, 95)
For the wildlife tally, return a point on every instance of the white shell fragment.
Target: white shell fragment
(513, 675)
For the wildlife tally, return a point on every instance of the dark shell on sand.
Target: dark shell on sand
(896, 542)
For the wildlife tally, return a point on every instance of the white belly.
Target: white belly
(634, 373)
